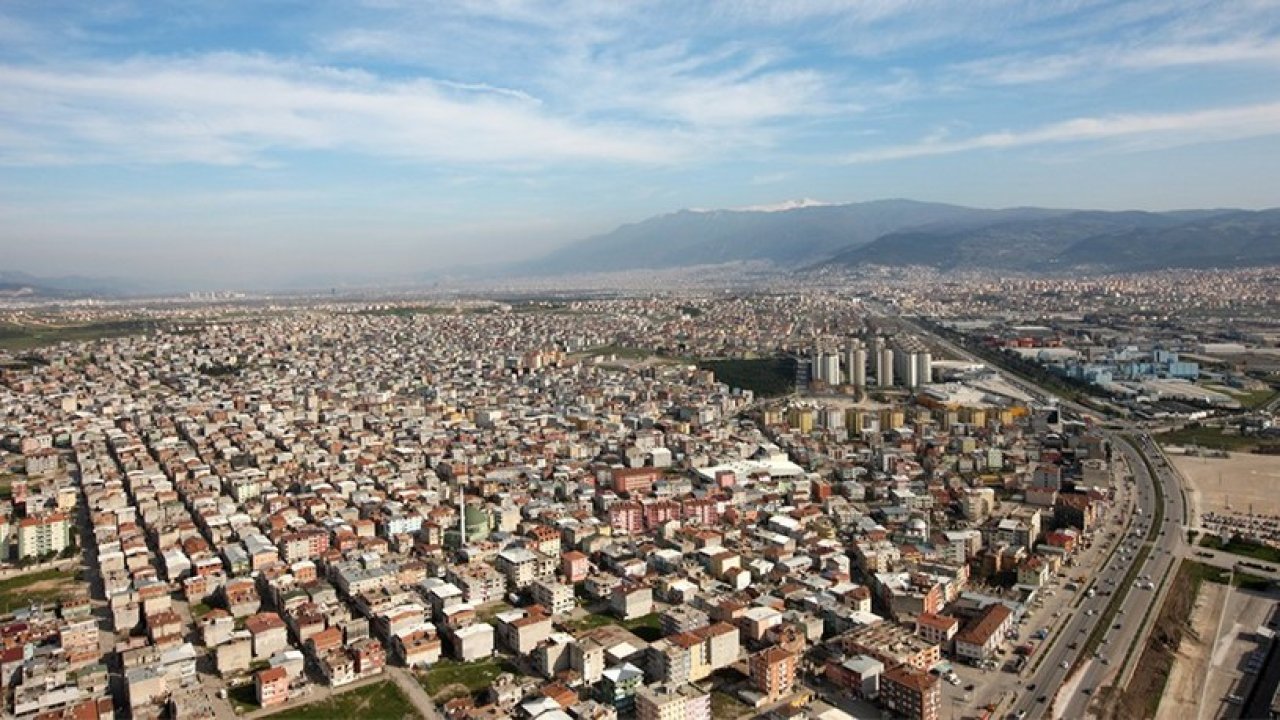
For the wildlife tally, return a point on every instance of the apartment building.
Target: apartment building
(773, 672)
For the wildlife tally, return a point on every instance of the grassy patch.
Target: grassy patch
(1247, 581)
(1240, 546)
(726, 707)
(199, 610)
(23, 337)
(382, 700)
(485, 613)
(1251, 399)
(646, 627)
(1207, 437)
(766, 377)
(474, 675)
(593, 621)
(45, 586)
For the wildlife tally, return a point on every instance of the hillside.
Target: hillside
(788, 238)
(947, 237)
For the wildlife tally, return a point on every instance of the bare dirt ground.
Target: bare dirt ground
(1191, 662)
(1231, 485)
(42, 586)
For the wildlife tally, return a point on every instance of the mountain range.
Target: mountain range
(15, 283)
(805, 235)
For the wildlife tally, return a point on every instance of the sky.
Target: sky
(257, 144)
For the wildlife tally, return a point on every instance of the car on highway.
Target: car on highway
(1064, 664)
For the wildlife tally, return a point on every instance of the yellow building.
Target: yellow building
(801, 419)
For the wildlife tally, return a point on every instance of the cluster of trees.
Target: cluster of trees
(766, 377)
(67, 552)
(219, 369)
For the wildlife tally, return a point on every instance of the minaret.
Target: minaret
(462, 518)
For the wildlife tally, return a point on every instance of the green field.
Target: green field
(1240, 546)
(45, 586)
(25, 337)
(593, 621)
(1207, 437)
(766, 377)
(647, 627)
(382, 701)
(475, 676)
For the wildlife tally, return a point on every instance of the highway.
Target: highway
(1042, 694)
(1059, 689)
(1167, 551)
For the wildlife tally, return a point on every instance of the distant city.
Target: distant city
(661, 360)
(893, 491)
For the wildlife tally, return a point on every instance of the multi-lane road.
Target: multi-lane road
(1166, 551)
(1053, 691)
(1064, 683)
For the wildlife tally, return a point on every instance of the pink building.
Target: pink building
(627, 517)
(574, 566)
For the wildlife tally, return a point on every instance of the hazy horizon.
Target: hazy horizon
(250, 145)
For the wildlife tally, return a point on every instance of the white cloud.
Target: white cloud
(1169, 129)
(1027, 69)
(236, 109)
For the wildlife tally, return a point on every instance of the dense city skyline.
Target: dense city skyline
(252, 145)
(901, 494)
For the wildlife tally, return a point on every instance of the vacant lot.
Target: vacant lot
(1239, 481)
(448, 677)
(382, 700)
(1191, 663)
(726, 707)
(45, 586)
(646, 627)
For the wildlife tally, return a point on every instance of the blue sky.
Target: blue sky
(252, 143)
